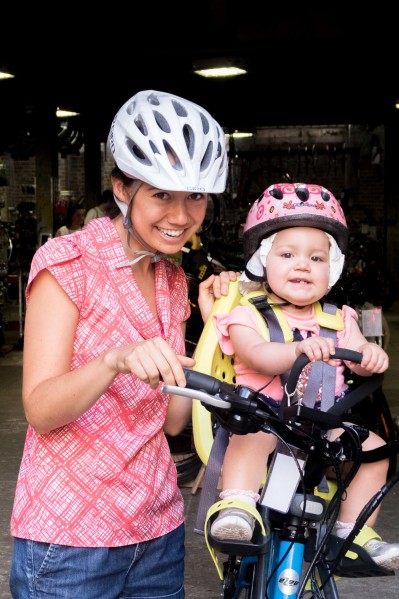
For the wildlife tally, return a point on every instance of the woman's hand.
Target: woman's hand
(213, 288)
(151, 361)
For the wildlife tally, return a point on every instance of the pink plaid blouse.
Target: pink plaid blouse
(107, 479)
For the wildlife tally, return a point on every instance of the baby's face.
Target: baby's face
(298, 265)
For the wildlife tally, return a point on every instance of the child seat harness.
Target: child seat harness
(329, 320)
(274, 328)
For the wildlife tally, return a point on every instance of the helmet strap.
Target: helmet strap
(284, 301)
(130, 232)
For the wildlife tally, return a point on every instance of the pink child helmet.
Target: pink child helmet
(285, 205)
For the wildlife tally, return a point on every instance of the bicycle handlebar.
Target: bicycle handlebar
(302, 360)
(241, 410)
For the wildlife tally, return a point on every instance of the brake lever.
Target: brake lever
(207, 389)
(202, 396)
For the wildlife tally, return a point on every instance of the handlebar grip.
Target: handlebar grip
(302, 360)
(202, 382)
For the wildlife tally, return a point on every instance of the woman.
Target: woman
(97, 510)
(74, 219)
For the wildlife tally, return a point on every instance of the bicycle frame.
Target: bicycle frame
(299, 553)
(272, 565)
(284, 559)
(274, 568)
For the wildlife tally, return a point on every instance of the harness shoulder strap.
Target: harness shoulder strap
(321, 374)
(329, 316)
(330, 321)
(272, 324)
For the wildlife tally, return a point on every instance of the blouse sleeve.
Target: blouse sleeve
(348, 314)
(62, 257)
(242, 315)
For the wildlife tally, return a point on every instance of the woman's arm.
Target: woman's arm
(179, 410)
(178, 414)
(54, 395)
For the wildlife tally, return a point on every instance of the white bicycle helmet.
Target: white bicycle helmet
(170, 143)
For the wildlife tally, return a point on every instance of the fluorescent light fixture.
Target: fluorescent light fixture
(220, 72)
(240, 134)
(62, 114)
(5, 75)
(219, 67)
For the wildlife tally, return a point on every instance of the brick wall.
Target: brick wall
(347, 159)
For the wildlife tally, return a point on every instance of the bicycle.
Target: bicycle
(273, 564)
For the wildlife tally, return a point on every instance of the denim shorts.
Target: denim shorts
(150, 570)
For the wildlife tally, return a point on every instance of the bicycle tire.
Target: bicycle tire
(186, 459)
(375, 412)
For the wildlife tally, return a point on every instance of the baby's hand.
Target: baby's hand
(375, 359)
(317, 349)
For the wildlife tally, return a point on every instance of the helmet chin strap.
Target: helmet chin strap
(128, 225)
(284, 301)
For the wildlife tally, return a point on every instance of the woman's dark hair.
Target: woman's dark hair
(72, 208)
(106, 196)
(116, 173)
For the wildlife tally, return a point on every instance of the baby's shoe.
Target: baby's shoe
(233, 524)
(384, 554)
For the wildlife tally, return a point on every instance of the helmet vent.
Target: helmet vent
(206, 157)
(153, 99)
(131, 107)
(161, 122)
(325, 195)
(140, 124)
(139, 154)
(154, 148)
(205, 123)
(179, 108)
(276, 193)
(303, 194)
(173, 157)
(188, 135)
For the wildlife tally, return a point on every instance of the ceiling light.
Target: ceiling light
(6, 75)
(219, 67)
(220, 72)
(240, 134)
(62, 114)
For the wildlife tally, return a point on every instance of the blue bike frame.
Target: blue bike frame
(278, 571)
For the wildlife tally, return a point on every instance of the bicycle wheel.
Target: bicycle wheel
(185, 457)
(376, 415)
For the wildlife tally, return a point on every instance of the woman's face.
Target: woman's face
(298, 265)
(166, 220)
